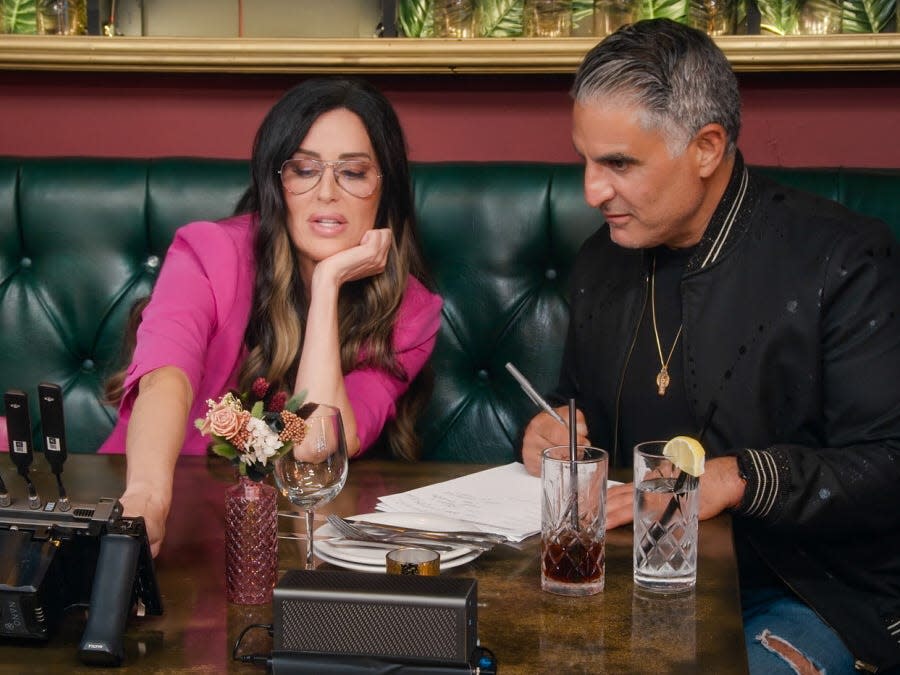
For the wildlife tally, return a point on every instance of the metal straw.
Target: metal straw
(573, 468)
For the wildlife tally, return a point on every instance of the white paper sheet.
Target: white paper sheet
(505, 499)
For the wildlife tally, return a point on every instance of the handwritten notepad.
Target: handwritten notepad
(505, 499)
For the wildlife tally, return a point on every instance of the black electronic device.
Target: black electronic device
(90, 556)
(53, 425)
(18, 429)
(53, 433)
(83, 554)
(483, 662)
(414, 620)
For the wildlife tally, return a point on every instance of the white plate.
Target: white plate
(375, 557)
(359, 567)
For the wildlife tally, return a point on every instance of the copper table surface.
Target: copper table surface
(529, 631)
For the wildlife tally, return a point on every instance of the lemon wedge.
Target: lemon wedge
(686, 453)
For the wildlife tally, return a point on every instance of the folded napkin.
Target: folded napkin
(505, 500)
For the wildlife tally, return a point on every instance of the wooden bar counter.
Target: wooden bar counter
(529, 631)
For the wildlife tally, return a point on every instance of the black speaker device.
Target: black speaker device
(394, 618)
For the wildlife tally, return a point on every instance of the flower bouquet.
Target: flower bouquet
(252, 431)
(255, 429)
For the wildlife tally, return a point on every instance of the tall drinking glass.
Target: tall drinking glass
(573, 520)
(666, 506)
(315, 470)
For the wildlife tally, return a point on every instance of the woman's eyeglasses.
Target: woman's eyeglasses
(357, 177)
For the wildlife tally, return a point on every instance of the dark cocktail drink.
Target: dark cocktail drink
(570, 560)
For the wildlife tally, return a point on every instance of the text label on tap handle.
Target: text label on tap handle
(52, 421)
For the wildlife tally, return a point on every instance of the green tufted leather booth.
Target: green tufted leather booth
(81, 239)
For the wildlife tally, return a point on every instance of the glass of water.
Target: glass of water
(666, 506)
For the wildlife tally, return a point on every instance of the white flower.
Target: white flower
(262, 443)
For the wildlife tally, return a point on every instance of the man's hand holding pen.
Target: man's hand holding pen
(543, 431)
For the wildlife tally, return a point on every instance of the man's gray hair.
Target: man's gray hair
(676, 74)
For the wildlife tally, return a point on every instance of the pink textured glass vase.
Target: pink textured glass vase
(251, 542)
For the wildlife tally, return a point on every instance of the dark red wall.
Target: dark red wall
(790, 119)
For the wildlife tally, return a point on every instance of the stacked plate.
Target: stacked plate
(365, 559)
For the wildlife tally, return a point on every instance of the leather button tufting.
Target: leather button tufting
(152, 262)
(25, 262)
(483, 374)
(550, 274)
(87, 364)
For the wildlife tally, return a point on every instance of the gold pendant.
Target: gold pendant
(662, 381)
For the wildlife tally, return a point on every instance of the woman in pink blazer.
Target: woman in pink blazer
(316, 284)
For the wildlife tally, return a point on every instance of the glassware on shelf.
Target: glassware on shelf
(453, 18)
(62, 17)
(547, 18)
(820, 17)
(610, 15)
(714, 17)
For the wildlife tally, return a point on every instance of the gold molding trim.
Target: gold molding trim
(413, 56)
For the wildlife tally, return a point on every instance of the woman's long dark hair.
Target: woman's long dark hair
(368, 307)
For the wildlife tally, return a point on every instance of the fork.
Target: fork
(351, 531)
(480, 537)
(344, 542)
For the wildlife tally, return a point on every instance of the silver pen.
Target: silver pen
(531, 392)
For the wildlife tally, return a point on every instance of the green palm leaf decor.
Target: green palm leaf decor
(414, 18)
(582, 10)
(18, 16)
(496, 18)
(778, 16)
(500, 18)
(867, 16)
(676, 10)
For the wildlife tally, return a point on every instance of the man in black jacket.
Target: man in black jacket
(715, 299)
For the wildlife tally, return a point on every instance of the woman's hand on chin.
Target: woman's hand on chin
(366, 259)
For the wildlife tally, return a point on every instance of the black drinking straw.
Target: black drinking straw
(573, 467)
(682, 478)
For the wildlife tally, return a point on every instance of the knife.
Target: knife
(387, 545)
(453, 535)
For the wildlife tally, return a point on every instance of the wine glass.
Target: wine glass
(315, 470)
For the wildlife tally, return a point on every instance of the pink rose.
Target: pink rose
(225, 421)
